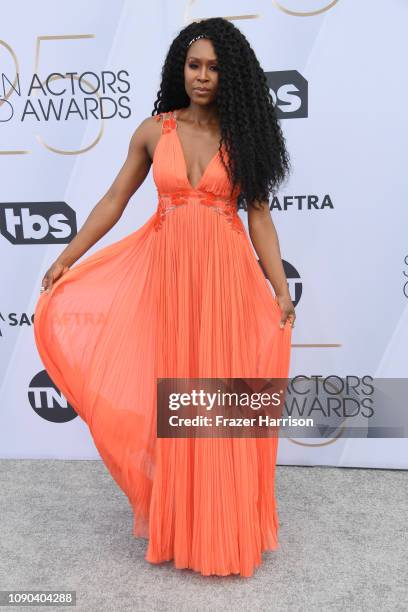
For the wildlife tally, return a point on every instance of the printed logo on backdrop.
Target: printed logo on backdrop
(405, 274)
(12, 319)
(47, 400)
(302, 202)
(49, 94)
(289, 91)
(37, 222)
(77, 97)
(304, 8)
(293, 278)
(311, 201)
(294, 8)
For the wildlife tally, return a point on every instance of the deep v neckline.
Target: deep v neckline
(174, 113)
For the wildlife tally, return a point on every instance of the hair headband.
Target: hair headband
(196, 38)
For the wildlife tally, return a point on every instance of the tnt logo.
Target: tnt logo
(37, 222)
(47, 400)
(289, 91)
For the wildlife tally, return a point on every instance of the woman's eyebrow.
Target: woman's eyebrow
(199, 59)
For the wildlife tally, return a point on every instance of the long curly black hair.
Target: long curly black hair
(249, 127)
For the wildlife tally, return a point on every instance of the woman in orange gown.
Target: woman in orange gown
(182, 296)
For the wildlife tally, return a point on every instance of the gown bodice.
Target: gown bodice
(172, 183)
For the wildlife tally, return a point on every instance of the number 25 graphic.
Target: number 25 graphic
(39, 40)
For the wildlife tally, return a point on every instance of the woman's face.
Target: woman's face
(201, 72)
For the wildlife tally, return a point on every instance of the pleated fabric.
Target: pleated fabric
(182, 296)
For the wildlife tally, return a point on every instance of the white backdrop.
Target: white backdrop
(338, 73)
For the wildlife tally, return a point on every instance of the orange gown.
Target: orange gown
(182, 296)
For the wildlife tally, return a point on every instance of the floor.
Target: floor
(343, 536)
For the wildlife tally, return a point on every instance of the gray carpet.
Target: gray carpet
(343, 536)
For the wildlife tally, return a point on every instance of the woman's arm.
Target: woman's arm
(264, 237)
(109, 209)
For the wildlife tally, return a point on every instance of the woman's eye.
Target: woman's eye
(195, 66)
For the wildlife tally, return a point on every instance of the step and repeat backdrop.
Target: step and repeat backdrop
(77, 78)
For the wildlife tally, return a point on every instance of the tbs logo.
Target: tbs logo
(289, 90)
(37, 222)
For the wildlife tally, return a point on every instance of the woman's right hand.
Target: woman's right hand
(53, 273)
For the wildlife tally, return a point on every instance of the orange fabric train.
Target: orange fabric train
(182, 296)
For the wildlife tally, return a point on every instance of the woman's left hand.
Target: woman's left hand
(287, 309)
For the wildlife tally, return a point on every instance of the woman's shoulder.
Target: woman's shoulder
(151, 119)
(150, 127)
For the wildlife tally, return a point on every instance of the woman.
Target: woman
(183, 296)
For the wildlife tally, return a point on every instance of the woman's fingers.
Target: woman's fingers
(50, 282)
(53, 274)
(44, 283)
(287, 316)
(47, 282)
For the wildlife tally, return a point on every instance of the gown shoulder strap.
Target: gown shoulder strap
(168, 121)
